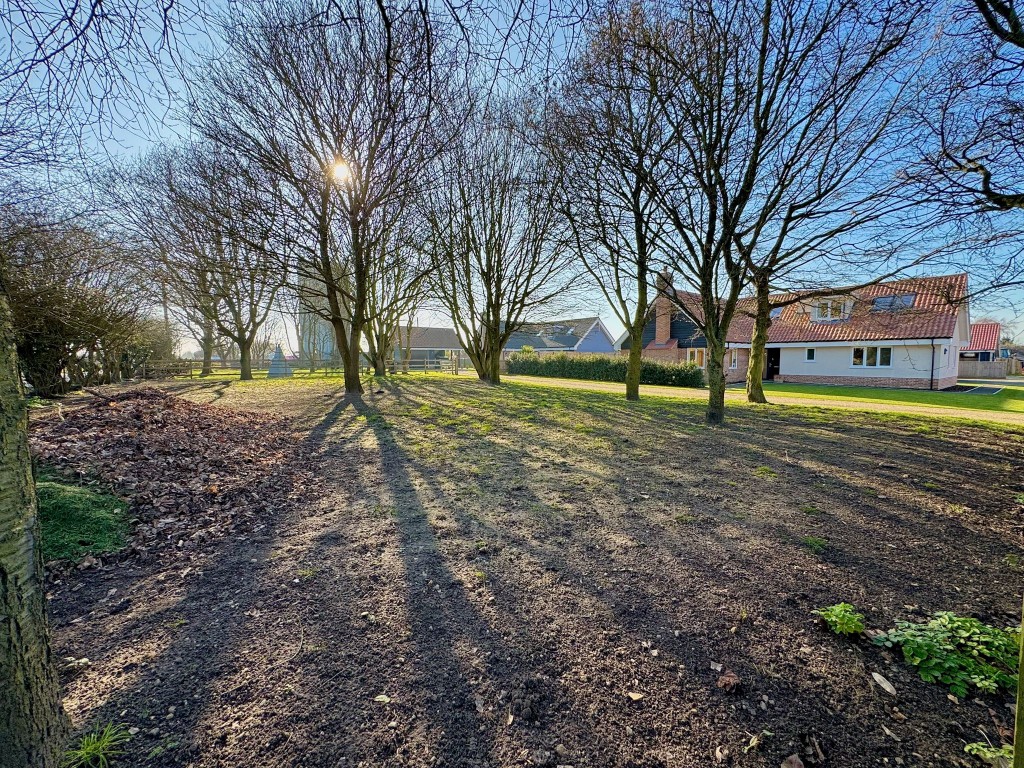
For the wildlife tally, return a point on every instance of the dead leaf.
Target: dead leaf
(721, 754)
(885, 684)
(729, 681)
(635, 696)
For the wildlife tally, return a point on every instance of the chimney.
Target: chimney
(663, 307)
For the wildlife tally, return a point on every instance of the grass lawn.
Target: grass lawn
(535, 575)
(78, 520)
(1009, 399)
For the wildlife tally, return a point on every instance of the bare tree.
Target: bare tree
(605, 134)
(759, 98)
(337, 104)
(213, 223)
(399, 275)
(495, 240)
(978, 118)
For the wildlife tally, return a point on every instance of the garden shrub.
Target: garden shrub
(958, 651)
(602, 368)
(842, 618)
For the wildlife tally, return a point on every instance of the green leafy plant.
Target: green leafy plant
(1019, 498)
(98, 749)
(1001, 757)
(816, 544)
(766, 472)
(959, 652)
(842, 618)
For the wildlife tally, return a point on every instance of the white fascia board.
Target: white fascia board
(857, 343)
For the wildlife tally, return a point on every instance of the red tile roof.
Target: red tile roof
(932, 313)
(984, 337)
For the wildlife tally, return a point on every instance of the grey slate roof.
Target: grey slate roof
(424, 337)
(553, 334)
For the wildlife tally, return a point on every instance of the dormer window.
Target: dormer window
(830, 309)
(775, 312)
(893, 303)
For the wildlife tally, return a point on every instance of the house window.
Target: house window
(775, 312)
(872, 357)
(809, 355)
(734, 358)
(696, 356)
(893, 303)
(830, 309)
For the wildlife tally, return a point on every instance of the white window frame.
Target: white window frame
(844, 312)
(734, 359)
(878, 356)
(811, 355)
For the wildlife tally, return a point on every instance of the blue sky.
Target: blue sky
(149, 117)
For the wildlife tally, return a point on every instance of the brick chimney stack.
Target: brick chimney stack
(663, 308)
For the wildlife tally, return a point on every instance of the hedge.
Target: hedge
(603, 368)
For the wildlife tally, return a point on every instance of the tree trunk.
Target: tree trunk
(716, 383)
(488, 363)
(380, 367)
(758, 340)
(353, 363)
(636, 353)
(33, 728)
(206, 345)
(245, 360)
(495, 374)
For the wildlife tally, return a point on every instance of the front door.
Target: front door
(772, 364)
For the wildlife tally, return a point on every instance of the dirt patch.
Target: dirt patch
(518, 576)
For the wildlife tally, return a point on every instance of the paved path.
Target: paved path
(1014, 418)
(1010, 381)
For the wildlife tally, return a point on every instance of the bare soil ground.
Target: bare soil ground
(474, 576)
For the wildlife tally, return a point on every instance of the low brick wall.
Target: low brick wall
(868, 381)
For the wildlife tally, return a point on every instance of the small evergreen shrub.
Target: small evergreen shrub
(842, 618)
(602, 368)
(959, 652)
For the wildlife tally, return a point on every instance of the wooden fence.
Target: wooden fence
(992, 369)
(191, 369)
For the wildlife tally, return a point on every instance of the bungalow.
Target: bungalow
(427, 346)
(984, 346)
(585, 334)
(903, 333)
